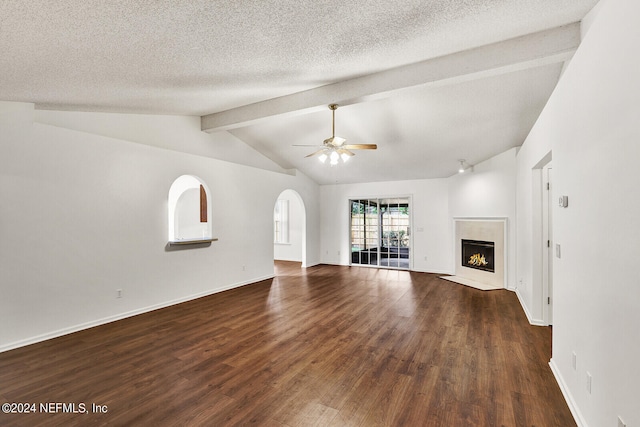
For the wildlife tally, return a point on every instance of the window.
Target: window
(281, 222)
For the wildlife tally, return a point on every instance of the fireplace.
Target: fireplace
(478, 254)
(487, 239)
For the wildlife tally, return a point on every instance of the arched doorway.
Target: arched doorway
(289, 228)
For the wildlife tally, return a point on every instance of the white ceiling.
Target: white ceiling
(206, 57)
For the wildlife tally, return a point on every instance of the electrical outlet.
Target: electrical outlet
(118, 293)
(425, 258)
(574, 360)
(621, 423)
(338, 253)
(244, 268)
(589, 382)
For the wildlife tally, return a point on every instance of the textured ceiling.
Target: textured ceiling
(202, 57)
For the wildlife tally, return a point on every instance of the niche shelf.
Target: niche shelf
(191, 241)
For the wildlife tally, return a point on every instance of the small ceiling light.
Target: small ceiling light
(461, 168)
(323, 158)
(344, 157)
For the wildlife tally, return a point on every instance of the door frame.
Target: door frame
(409, 198)
(548, 244)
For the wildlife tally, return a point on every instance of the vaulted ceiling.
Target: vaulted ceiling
(429, 82)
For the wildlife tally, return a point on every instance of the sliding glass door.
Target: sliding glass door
(364, 232)
(380, 232)
(395, 232)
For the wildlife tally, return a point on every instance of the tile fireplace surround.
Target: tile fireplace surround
(485, 229)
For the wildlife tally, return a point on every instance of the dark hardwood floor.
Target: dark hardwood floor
(326, 346)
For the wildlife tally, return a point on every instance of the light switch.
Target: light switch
(557, 250)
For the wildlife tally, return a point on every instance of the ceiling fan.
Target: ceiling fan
(334, 148)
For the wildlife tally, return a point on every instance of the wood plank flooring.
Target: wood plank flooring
(323, 346)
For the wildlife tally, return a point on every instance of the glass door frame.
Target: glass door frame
(377, 201)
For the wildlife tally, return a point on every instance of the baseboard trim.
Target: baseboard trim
(438, 272)
(532, 321)
(120, 316)
(573, 407)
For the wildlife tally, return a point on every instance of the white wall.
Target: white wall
(179, 133)
(292, 251)
(591, 126)
(82, 215)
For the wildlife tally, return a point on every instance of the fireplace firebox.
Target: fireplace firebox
(478, 254)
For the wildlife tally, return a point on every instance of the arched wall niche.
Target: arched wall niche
(189, 210)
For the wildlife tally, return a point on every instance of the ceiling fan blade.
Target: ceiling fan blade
(360, 147)
(345, 151)
(306, 145)
(314, 153)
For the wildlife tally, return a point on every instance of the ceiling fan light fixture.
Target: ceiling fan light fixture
(335, 148)
(334, 157)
